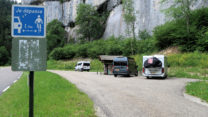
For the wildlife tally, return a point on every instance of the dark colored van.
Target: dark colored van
(124, 66)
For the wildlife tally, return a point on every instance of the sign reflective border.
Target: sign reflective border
(28, 21)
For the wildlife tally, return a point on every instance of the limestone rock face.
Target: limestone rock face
(54, 10)
(65, 12)
(115, 24)
(112, 4)
(148, 14)
(26, 2)
(95, 3)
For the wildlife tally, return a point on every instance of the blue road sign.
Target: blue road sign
(28, 21)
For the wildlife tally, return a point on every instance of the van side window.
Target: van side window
(80, 64)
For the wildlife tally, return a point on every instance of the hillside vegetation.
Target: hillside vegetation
(172, 33)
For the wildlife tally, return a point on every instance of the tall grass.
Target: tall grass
(195, 59)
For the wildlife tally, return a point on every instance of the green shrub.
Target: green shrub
(91, 23)
(55, 35)
(202, 43)
(143, 35)
(163, 35)
(139, 61)
(128, 46)
(174, 33)
(96, 48)
(62, 53)
(69, 52)
(146, 46)
(113, 46)
(57, 54)
(81, 50)
(96, 65)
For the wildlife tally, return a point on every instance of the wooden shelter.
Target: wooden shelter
(108, 63)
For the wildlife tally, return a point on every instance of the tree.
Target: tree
(130, 19)
(5, 30)
(91, 23)
(4, 55)
(55, 35)
(180, 9)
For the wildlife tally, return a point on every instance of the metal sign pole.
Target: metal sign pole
(29, 44)
(31, 93)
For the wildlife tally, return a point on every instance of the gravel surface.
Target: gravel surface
(136, 96)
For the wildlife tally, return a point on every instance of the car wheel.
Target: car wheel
(115, 75)
(136, 74)
(165, 77)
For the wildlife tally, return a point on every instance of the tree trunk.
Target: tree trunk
(133, 30)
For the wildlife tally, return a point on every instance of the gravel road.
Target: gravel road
(136, 96)
(7, 77)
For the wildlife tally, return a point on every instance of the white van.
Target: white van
(82, 66)
(155, 66)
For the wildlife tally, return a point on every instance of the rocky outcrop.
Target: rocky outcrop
(26, 2)
(95, 3)
(65, 12)
(115, 23)
(112, 4)
(148, 14)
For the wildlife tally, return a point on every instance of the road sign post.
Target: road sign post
(29, 43)
(31, 93)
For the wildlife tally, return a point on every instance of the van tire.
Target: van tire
(115, 75)
(148, 77)
(136, 74)
(165, 77)
(81, 70)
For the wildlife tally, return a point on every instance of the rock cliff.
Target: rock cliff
(148, 14)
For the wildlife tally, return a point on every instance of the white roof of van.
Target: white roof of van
(155, 56)
(83, 62)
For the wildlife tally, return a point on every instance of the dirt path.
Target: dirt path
(136, 96)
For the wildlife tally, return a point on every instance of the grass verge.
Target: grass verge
(188, 72)
(198, 89)
(95, 65)
(54, 97)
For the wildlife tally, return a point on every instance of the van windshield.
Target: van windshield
(120, 63)
(86, 64)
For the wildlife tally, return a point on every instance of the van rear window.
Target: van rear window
(86, 64)
(120, 63)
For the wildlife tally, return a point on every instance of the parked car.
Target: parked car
(82, 66)
(124, 66)
(155, 66)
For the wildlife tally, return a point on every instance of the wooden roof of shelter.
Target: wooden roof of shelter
(107, 57)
